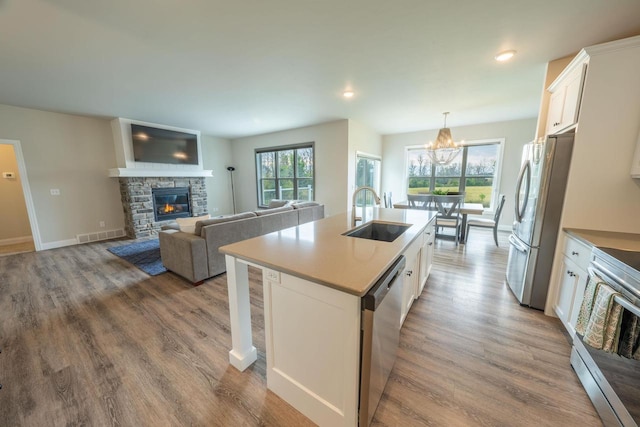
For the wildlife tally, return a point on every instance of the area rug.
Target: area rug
(145, 255)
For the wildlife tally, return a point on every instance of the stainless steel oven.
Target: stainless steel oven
(612, 381)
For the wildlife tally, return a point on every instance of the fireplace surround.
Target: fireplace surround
(138, 201)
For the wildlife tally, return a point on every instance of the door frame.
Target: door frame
(26, 191)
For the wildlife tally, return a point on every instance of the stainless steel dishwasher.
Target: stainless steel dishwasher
(379, 338)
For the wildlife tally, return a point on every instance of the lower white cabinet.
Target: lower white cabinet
(411, 277)
(572, 281)
(426, 255)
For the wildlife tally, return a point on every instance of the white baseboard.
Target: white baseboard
(15, 240)
(58, 244)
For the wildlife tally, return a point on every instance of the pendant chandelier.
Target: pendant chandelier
(443, 150)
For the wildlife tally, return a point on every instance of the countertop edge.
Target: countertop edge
(225, 250)
(600, 238)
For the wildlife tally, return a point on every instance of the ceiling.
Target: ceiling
(244, 67)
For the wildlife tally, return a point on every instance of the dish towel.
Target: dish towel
(629, 335)
(587, 303)
(603, 329)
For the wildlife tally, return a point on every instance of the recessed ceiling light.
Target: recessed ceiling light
(505, 55)
(348, 93)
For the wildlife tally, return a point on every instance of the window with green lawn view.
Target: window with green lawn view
(285, 173)
(473, 171)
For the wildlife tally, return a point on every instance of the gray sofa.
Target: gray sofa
(196, 256)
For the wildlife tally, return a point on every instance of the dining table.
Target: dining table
(465, 209)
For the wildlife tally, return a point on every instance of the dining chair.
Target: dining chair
(488, 223)
(448, 215)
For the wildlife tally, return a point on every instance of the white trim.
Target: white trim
(137, 173)
(26, 191)
(16, 240)
(58, 244)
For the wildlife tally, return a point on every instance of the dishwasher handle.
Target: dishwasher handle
(376, 294)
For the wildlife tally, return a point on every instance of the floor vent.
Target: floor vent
(100, 235)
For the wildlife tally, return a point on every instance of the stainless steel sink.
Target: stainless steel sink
(378, 230)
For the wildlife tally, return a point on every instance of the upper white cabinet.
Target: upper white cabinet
(566, 94)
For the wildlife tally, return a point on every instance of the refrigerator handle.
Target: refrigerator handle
(517, 245)
(526, 170)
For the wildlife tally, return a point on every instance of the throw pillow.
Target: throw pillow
(188, 225)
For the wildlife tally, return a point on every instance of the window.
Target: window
(367, 174)
(285, 173)
(474, 171)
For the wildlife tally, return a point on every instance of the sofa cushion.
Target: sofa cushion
(188, 225)
(275, 210)
(278, 203)
(219, 220)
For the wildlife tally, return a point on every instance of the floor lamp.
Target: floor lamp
(233, 194)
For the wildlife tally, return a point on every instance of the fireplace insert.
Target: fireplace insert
(171, 203)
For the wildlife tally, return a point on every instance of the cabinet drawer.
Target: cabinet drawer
(577, 252)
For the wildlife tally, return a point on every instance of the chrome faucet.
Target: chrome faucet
(354, 218)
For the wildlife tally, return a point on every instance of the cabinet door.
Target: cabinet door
(411, 277)
(554, 114)
(426, 258)
(566, 292)
(573, 281)
(581, 277)
(564, 104)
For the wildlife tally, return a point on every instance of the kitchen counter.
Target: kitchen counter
(313, 278)
(318, 251)
(607, 239)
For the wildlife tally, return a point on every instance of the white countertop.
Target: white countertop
(607, 239)
(318, 251)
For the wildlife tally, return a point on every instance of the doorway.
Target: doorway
(18, 226)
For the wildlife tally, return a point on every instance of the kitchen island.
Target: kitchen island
(313, 281)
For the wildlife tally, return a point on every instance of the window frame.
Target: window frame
(275, 150)
(432, 179)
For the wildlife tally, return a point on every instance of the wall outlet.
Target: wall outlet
(215, 209)
(102, 225)
(55, 191)
(8, 175)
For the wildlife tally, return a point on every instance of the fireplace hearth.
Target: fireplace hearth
(171, 203)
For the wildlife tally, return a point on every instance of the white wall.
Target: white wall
(516, 133)
(601, 195)
(73, 153)
(361, 139)
(216, 156)
(331, 156)
(70, 153)
(14, 226)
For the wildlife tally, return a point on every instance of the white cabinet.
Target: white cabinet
(564, 104)
(426, 255)
(411, 277)
(572, 281)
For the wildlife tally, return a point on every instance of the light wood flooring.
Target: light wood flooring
(17, 248)
(88, 339)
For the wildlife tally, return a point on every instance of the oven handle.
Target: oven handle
(626, 304)
(600, 270)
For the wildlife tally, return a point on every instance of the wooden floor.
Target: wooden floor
(17, 248)
(88, 339)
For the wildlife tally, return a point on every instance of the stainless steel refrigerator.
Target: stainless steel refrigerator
(538, 206)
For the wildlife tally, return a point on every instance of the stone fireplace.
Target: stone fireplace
(188, 197)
